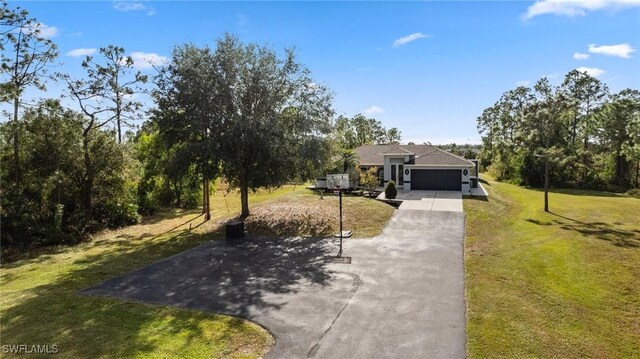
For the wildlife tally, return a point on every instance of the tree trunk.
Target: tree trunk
(208, 200)
(637, 173)
(87, 186)
(622, 170)
(574, 128)
(178, 193)
(118, 112)
(16, 143)
(546, 185)
(244, 199)
(204, 195)
(585, 170)
(16, 104)
(207, 207)
(119, 130)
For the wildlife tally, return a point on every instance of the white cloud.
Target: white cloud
(45, 31)
(81, 52)
(580, 56)
(242, 19)
(621, 50)
(147, 60)
(130, 97)
(407, 39)
(126, 6)
(523, 83)
(573, 8)
(373, 110)
(591, 71)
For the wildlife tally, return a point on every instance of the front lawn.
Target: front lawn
(305, 213)
(40, 303)
(563, 284)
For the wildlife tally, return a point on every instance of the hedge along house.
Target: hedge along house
(419, 167)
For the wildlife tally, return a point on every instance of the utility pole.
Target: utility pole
(546, 184)
(546, 180)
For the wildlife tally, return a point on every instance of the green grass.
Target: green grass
(40, 303)
(561, 284)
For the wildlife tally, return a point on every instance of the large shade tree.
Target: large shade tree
(271, 107)
(243, 109)
(189, 114)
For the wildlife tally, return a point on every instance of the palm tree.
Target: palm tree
(348, 158)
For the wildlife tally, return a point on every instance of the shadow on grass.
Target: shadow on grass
(81, 326)
(230, 277)
(601, 230)
(484, 182)
(581, 192)
(167, 213)
(477, 198)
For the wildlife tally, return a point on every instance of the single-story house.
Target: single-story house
(419, 167)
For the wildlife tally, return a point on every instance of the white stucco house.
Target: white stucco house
(419, 167)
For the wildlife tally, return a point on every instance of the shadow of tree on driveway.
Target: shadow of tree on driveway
(54, 312)
(235, 278)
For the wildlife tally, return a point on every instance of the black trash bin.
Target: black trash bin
(235, 230)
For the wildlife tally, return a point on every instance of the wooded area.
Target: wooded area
(589, 137)
(239, 116)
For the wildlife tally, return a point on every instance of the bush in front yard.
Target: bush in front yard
(391, 191)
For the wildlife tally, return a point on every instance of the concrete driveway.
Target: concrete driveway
(450, 201)
(402, 296)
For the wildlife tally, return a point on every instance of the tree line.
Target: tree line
(589, 137)
(236, 114)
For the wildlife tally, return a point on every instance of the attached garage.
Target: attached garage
(436, 179)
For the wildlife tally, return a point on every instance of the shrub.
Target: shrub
(635, 192)
(391, 191)
(116, 215)
(369, 179)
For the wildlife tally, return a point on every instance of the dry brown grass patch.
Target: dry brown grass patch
(286, 219)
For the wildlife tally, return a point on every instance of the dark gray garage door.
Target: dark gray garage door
(444, 180)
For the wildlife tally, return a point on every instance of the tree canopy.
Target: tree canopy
(589, 136)
(359, 130)
(245, 107)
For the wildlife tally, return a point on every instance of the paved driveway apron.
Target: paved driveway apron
(402, 296)
(433, 201)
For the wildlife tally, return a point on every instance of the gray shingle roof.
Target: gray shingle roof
(441, 158)
(370, 155)
(397, 150)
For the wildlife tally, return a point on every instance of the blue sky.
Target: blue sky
(428, 68)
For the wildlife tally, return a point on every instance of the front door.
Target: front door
(397, 175)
